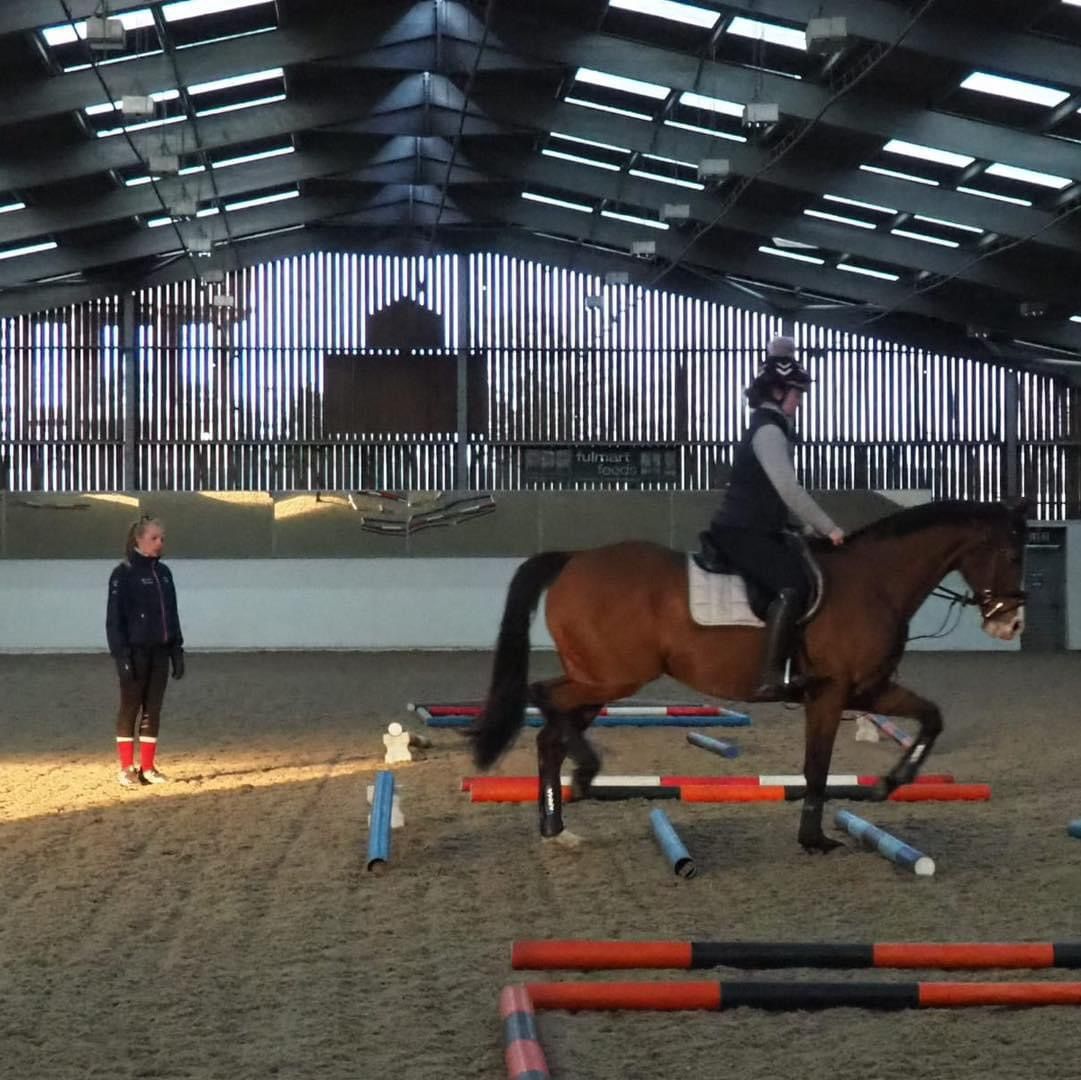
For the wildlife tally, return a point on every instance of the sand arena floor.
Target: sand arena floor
(223, 925)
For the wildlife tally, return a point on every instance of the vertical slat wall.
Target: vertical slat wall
(62, 400)
(231, 398)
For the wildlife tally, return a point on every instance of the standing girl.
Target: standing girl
(143, 630)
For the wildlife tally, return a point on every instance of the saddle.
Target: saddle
(719, 595)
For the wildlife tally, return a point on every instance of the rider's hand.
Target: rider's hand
(836, 537)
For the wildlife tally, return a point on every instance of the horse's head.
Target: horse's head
(994, 570)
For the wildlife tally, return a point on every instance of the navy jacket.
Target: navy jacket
(751, 501)
(142, 605)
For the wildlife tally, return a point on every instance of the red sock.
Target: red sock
(147, 747)
(125, 749)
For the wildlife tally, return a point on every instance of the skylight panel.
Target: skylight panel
(670, 161)
(633, 219)
(717, 105)
(237, 106)
(142, 126)
(158, 222)
(66, 34)
(262, 200)
(579, 160)
(608, 109)
(563, 204)
(1076, 318)
(1015, 89)
(235, 80)
(28, 249)
(867, 271)
(840, 219)
(590, 142)
(859, 205)
(927, 153)
(669, 9)
(261, 155)
(995, 195)
(771, 32)
(925, 238)
(620, 82)
(661, 179)
(948, 224)
(114, 106)
(899, 175)
(11, 207)
(192, 9)
(797, 256)
(711, 132)
(1028, 176)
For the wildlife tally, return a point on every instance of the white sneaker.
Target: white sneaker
(152, 776)
(129, 778)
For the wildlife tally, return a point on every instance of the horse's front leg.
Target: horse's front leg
(823, 714)
(897, 700)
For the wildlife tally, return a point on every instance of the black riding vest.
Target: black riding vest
(751, 501)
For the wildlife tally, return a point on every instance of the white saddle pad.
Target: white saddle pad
(718, 599)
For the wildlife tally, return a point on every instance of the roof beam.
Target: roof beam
(968, 41)
(1034, 280)
(282, 118)
(538, 113)
(956, 308)
(142, 200)
(148, 243)
(335, 32)
(856, 111)
(393, 160)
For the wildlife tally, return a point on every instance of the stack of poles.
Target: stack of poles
(714, 995)
(610, 716)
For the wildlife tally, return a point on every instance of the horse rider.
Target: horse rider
(763, 492)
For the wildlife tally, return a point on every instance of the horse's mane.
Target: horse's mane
(928, 515)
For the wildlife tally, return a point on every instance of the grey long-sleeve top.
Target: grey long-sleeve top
(772, 450)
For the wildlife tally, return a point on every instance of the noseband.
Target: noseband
(989, 604)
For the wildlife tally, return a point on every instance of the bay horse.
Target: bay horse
(620, 618)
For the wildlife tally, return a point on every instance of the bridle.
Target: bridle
(991, 604)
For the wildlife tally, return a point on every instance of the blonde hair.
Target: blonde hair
(135, 533)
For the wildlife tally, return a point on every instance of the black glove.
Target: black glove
(177, 657)
(125, 669)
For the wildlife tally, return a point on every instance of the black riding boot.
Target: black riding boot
(780, 630)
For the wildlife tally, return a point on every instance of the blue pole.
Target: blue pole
(379, 830)
(897, 851)
(714, 746)
(677, 855)
(1074, 828)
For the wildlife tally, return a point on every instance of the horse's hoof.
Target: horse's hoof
(820, 845)
(565, 839)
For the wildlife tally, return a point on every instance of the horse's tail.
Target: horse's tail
(504, 709)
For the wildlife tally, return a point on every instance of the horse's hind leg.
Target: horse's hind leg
(897, 700)
(568, 709)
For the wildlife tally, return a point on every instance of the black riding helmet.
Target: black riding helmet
(780, 368)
